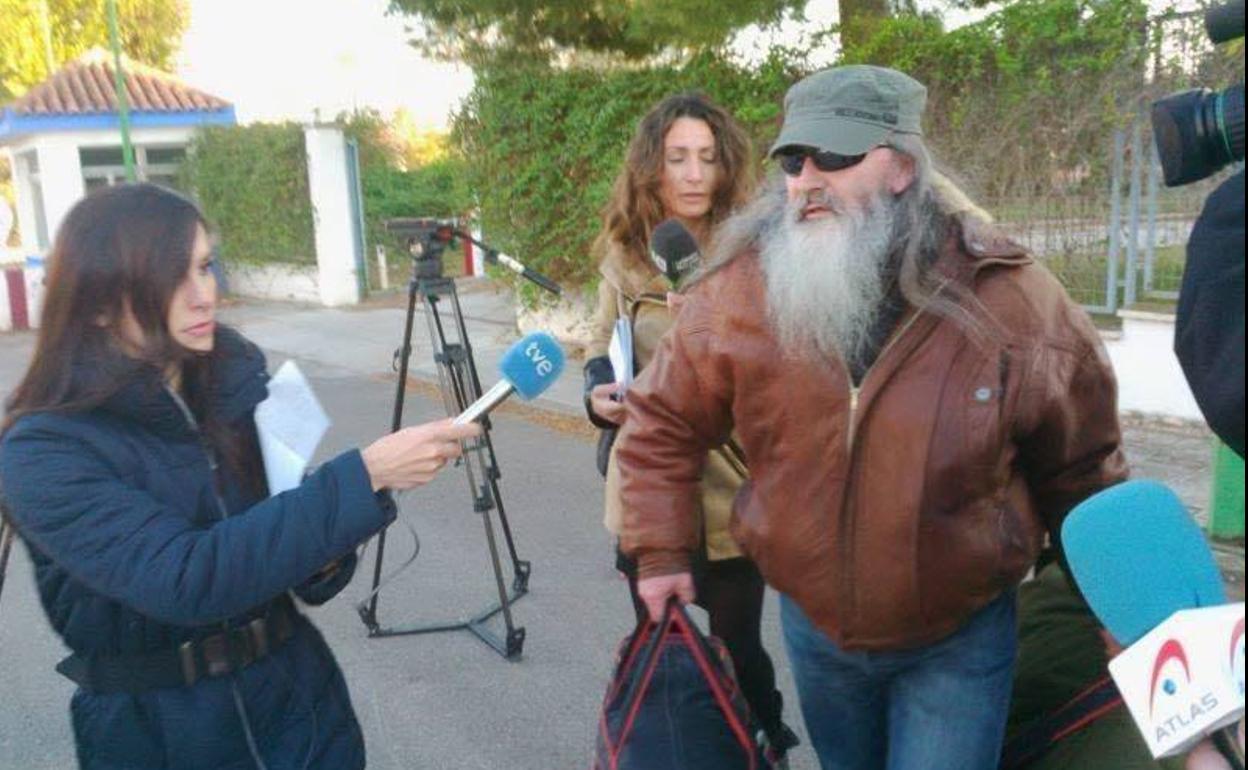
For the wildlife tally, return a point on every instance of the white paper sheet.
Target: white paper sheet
(621, 352)
(291, 423)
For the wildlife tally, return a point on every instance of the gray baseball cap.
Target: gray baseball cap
(849, 110)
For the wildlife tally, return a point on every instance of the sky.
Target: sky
(289, 59)
(286, 59)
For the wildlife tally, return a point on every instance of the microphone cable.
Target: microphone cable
(362, 605)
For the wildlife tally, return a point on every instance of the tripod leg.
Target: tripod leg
(404, 356)
(515, 636)
(6, 544)
(520, 568)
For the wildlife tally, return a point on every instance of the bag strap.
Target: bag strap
(649, 658)
(1094, 702)
(676, 622)
(711, 664)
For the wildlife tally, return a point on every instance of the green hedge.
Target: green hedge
(438, 188)
(543, 146)
(252, 182)
(1034, 88)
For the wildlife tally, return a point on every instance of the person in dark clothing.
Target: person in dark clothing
(1209, 330)
(131, 468)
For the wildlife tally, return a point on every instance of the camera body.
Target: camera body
(1200, 131)
(426, 238)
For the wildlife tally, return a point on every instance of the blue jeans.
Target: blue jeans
(940, 707)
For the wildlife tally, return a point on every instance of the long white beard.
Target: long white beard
(826, 277)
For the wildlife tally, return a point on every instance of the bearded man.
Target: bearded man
(918, 402)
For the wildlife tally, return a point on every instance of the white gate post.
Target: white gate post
(337, 277)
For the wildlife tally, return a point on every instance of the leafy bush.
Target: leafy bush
(252, 182)
(1032, 91)
(543, 146)
(437, 188)
(1021, 104)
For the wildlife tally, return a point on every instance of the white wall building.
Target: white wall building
(63, 137)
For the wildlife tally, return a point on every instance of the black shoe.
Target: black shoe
(776, 747)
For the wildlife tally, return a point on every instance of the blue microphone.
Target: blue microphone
(1139, 557)
(528, 368)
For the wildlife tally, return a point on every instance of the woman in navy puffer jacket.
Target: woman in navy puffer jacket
(130, 466)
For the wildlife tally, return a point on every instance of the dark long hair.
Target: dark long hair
(635, 207)
(122, 247)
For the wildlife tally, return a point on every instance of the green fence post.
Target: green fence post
(1226, 508)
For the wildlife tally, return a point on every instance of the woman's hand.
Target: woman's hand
(606, 407)
(413, 456)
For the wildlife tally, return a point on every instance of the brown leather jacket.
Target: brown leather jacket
(890, 512)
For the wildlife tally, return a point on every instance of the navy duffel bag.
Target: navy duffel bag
(674, 704)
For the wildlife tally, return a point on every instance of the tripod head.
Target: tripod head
(426, 239)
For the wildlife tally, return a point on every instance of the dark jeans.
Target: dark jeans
(731, 592)
(939, 707)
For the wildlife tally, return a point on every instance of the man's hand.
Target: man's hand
(1206, 757)
(656, 591)
(606, 407)
(413, 456)
(1112, 648)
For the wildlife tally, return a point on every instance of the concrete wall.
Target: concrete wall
(1150, 380)
(335, 279)
(296, 283)
(337, 276)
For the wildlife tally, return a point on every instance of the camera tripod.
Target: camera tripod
(460, 385)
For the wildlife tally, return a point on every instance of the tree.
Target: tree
(630, 29)
(150, 31)
(859, 19)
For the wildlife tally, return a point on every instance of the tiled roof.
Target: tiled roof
(85, 87)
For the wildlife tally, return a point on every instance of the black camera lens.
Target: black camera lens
(1198, 132)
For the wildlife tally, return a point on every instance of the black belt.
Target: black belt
(183, 666)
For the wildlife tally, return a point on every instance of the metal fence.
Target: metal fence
(1124, 246)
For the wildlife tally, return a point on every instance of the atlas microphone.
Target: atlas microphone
(528, 368)
(674, 251)
(1149, 576)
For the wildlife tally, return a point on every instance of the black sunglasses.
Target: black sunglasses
(792, 160)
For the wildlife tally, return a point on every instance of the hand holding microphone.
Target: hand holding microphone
(411, 457)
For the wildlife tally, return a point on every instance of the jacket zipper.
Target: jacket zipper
(850, 437)
(222, 511)
(856, 390)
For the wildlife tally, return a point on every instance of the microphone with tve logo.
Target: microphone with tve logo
(1148, 573)
(674, 251)
(528, 368)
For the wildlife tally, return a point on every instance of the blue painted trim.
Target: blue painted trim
(12, 125)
